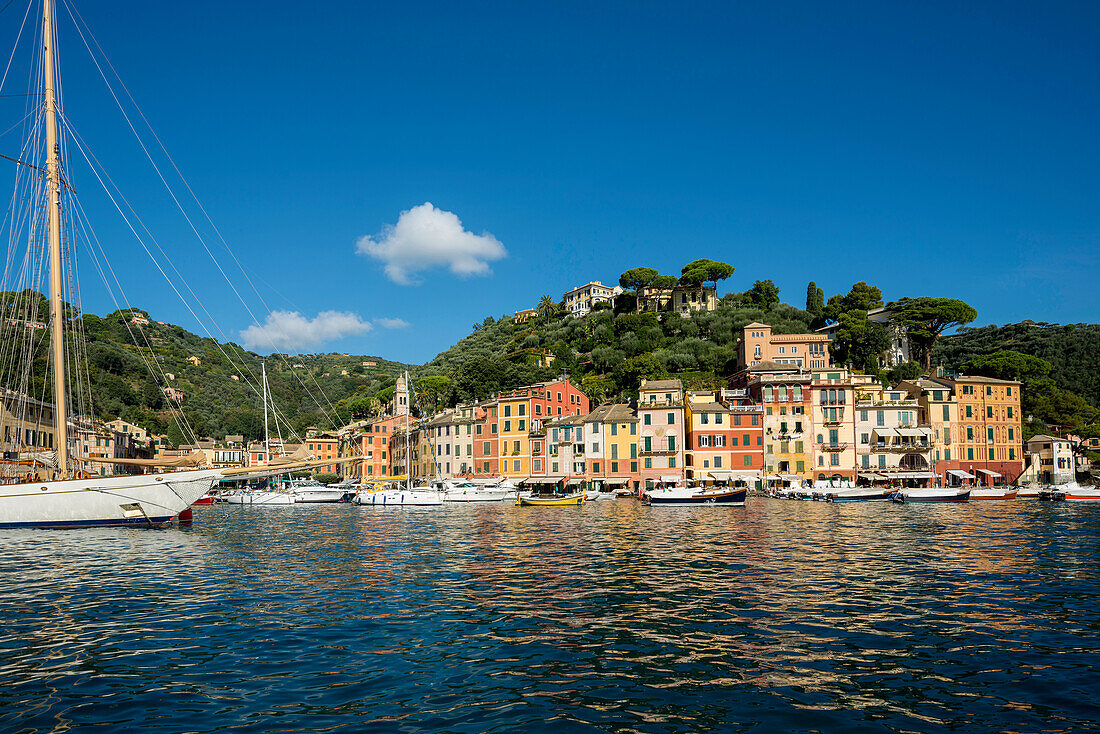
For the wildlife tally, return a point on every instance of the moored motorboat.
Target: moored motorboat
(260, 497)
(993, 493)
(549, 500)
(206, 499)
(1028, 492)
(1077, 493)
(932, 494)
(467, 491)
(316, 493)
(688, 495)
(401, 497)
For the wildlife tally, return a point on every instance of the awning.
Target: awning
(909, 432)
(873, 477)
(790, 477)
(961, 474)
(574, 481)
(885, 432)
(670, 477)
(927, 432)
(914, 475)
(774, 478)
(989, 473)
(543, 480)
(720, 476)
(612, 480)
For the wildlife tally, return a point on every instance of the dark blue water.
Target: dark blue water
(611, 617)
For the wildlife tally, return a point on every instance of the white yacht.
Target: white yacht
(460, 490)
(932, 494)
(313, 492)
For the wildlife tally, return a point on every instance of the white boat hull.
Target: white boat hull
(261, 498)
(313, 496)
(144, 500)
(401, 498)
(993, 493)
(934, 494)
(479, 495)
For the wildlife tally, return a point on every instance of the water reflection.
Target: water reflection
(616, 616)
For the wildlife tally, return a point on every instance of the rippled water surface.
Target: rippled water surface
(613, 616)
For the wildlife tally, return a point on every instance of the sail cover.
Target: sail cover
(195, 459)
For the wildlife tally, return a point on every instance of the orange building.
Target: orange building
(758, 344)
(990, 439)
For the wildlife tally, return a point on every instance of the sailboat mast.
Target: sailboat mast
(267, 435)
(408, 438)
(53, 192)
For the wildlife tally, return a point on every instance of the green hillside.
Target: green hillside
(123, 385)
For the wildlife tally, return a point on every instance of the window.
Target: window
(834, 459)
(1011, 434)
(507, 410)
(633, 467)
(736, 420)
(645, 419)
(671, 418)
(614, 451)
(1008, 392)
(947, 412)
(614, 467)
(970, 454)
(718, 419)
(989, 434)
(881, 461)
(647, 443)
(970, 433)
(880, 417)
(522, 425)
(671, 443)
(1011, 452)
(988, 390)
(614, 429)
(507, 426)
(1010, 411)
(989, 411)
(704, 418)
(595, 467)
(969, 412)
(672, 462)
(493, 428)
(866, 461)
(991, 454)
(864, 438)
(863, 415)
(647, 463)
(515, 466)
(523, 409)
(633, 451)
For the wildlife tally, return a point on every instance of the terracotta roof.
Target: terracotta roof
(979, 378)
(615, 413)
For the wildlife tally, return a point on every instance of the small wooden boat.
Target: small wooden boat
(993, 493)
(550, 501)
(932, 494)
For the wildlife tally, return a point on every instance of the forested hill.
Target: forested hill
(316, 393)
(607, 352)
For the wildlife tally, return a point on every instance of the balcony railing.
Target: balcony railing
(832, 446)
(657, 452)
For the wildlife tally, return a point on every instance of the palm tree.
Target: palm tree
(546, 307)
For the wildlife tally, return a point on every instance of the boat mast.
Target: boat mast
(53, 193)
(408, 438)
(267, 436)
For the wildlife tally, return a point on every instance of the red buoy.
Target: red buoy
(185, 517)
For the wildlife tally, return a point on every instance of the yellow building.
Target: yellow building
(612, 446)
(514, 422)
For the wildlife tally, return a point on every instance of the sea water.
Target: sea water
(614, 616)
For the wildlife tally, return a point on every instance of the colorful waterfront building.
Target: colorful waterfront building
(324, 445)
(939, 411)
(758, 344)
(725, 437)
(989, 423)
(1051, 459)
(486, 435)
(611, 432)
(661, 431)
(833, 424)
(893, 445)
(785, 394)
(566, 456)
(521, 413)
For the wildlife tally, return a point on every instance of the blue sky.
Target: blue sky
(944, 149)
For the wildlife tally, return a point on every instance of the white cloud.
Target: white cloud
(290, 330)
(392, 323)
(426, 237)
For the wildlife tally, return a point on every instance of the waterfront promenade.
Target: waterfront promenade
(610, 617)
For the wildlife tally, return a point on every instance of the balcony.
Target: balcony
(902, 446)
(657, 452)
(832, 446)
